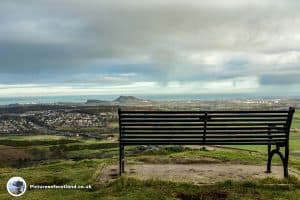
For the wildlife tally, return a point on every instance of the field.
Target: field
(58, 160)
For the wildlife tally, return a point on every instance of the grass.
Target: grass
(34, 137)
(59, 173)
(69, 170)
(297, 114)
(129, 188)
(77, 129)
(296, 120)
(296, 123)
(126, 188)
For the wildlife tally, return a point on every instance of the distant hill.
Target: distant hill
(95, 101)
(129, 100)
(124, 100)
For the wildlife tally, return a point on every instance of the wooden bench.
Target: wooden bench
(259, 127)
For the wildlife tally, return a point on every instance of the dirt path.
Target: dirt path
(195, 173)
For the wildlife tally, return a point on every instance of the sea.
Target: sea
(84, 98)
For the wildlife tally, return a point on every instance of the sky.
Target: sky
(63, 47)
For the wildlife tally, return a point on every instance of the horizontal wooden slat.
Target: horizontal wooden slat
(192, 125)
(282, 142)
(202, 133)
(211, 139)
(163, 132)
(164, 116)
(124, 125)
(233, 121)
(199, 129)
(160, 120)
(245, 120)
(242, 128)
(246, 124)
(160, 124)
(131, 137)
(247, 115)
(283, 136)
(198, 112)
(201, 137)
(200, 142)
(242, 132)
(163, 128)
(145, 116)
(124, 112)
(207, 133)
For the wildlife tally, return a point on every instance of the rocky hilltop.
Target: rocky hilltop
(121, 100)
(129, 100)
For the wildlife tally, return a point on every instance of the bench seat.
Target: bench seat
(253, 127)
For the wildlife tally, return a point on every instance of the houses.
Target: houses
(16, 126)
(32, 121)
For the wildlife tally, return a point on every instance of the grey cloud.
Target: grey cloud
(279, 79)
(89, 36)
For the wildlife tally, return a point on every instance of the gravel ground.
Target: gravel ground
(195, 173)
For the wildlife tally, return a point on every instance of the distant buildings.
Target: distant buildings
(34, 121)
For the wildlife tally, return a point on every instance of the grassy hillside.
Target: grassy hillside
(56, 160)
(79, 161)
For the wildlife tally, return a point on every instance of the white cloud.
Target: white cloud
(236, 85)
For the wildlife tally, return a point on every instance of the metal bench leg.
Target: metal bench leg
(284, 159)
(269, 159)
(121, 159)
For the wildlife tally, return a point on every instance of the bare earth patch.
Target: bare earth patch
(195, 173)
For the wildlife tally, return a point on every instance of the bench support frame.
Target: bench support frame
(284, 158)
(121, 159)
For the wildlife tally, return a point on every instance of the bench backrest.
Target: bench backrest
(205, 127)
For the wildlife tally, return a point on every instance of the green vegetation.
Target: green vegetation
(129, 188)
(296, 123)
(63, 160)
(20, 143)
(33, 137)
(297, 114)
(296, 120)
